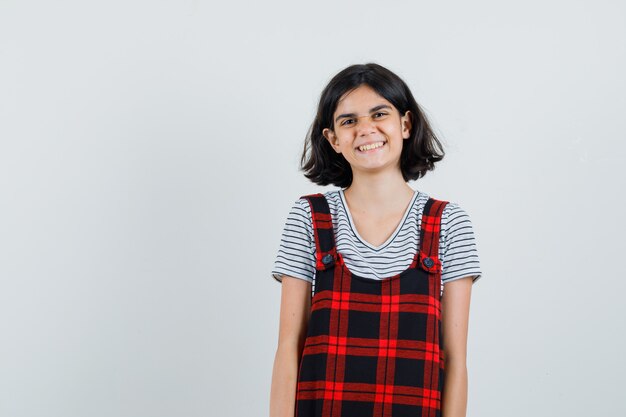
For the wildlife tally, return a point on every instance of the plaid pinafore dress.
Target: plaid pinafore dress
(373, 347)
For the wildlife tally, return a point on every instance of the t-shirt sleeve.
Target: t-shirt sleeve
(457, 250)
(296, 252)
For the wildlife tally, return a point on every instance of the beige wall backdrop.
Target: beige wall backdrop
(149, 157)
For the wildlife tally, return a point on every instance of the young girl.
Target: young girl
(365, 327)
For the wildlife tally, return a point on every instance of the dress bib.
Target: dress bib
(373, 347)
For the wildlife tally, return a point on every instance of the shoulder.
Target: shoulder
(300, 210)
(333, 198)
(451, 207)
(454, 216)
(329, 194)
(458, 247)
(455, 221)
(452, 213)
(298, 221)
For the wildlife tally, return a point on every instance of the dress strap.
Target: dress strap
(326, 253)
(429, 235)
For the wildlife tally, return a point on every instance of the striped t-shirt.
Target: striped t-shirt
(457, 245)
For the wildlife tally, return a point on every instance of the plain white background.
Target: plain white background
(149, 156)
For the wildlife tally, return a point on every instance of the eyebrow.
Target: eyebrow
(373, 109)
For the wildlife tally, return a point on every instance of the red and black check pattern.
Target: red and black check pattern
(373, 347)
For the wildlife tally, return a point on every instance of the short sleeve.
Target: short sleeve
(457, 249)
(296, 252)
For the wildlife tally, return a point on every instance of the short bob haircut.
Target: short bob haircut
(323, 166)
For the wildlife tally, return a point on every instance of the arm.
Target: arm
(295, 307)
(455, 305)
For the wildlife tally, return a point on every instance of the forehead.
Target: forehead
(361, 98)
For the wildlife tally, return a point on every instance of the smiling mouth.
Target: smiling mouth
(371, 146)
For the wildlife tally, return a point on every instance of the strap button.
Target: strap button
(328, 259)
(428, 262)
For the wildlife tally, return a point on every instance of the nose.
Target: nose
(365, 125)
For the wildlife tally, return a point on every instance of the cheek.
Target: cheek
(392, 128)
(344, 139)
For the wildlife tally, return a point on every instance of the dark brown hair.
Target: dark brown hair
(322, 165)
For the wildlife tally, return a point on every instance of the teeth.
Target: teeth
(371, 146)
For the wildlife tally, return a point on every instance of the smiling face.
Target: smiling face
(368, 130)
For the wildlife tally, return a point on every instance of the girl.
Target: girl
(363, 318)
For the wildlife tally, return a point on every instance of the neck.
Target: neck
(383, 190)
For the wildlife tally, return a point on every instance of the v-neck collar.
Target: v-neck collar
(393, 235)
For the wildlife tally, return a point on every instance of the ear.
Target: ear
(331, 138)
(407, 124)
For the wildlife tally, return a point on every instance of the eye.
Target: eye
(380, 114)
(347, 122)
